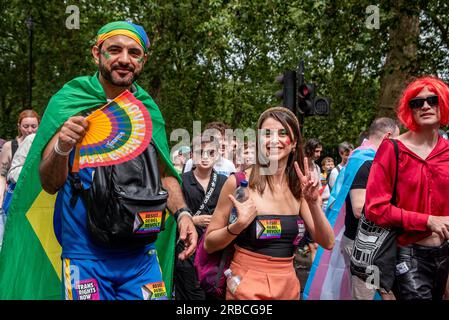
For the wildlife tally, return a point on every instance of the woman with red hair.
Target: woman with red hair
(421, 209)
(27, 124)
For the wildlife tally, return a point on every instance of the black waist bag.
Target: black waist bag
(126, 203)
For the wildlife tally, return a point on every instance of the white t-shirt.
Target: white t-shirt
(334, 174)
(222, 166)
(19, 158)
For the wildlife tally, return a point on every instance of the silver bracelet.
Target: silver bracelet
(183, 214)
(59, 151)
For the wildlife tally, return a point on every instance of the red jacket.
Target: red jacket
(422, 189)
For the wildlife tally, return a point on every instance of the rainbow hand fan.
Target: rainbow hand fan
(118, 132)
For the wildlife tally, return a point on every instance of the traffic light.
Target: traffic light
(300, 97)
(306, 96)
(322, 106)
(308, 104)
(288, 92)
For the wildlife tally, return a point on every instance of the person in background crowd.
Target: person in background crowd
(344, 150)
(421, 212)
(178, 161)
(228, 144)
(180, 157)
(249, 156)
(16, 167)
(312, 150)
(223, 165)
(201, 188)
(358, 168)
(27, 124)
(266, 224)
(327, 164)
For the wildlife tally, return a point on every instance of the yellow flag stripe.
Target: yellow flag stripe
(40, 216)
(67, 280)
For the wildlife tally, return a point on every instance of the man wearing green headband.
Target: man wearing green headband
(105, 272)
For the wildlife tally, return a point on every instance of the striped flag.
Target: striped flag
(30, 260)
(329, 277)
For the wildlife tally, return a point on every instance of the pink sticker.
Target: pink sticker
(87, 290)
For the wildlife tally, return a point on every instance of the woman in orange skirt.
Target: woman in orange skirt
(281, 188)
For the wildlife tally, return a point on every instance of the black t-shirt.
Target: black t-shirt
(359, 182)
(194, 194)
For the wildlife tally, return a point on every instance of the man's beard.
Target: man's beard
(107, 75)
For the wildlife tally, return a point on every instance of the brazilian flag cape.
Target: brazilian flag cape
(30, 260)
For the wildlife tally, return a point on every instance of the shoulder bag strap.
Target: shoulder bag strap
(396, 152)
(208, 194)
(14, 147)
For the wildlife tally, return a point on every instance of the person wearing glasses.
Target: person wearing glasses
(201, 188)
(421, 213)
(223, 165)
(180, 157)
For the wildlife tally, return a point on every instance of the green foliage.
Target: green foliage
(217, 60)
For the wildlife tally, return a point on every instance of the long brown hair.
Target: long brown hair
(29, 113)
(257, 181)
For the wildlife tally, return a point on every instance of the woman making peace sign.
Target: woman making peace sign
(267, 222)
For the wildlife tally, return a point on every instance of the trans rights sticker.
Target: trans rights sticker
(87, 290)
(268, 229)
(148, 222)
(154, 291)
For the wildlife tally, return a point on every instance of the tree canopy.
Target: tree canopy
(217, 60)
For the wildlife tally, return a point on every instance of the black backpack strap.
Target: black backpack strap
(77, 187)
(75, 183)
(396, 152)
(14, 147)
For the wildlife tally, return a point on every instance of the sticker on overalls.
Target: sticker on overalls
(148, 222)
(402, 268)
(87, 290)
(268, 229)
(154, 291)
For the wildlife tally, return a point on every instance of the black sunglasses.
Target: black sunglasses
(417, 103)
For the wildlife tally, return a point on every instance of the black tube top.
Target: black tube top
(270, 235)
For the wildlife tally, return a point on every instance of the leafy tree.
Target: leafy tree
(217, 60)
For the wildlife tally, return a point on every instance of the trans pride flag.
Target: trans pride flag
(329, 277)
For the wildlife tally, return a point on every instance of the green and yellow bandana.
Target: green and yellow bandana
(124, 28)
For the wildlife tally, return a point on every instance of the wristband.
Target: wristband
(59, 151)
(182, 212)
(234, 234)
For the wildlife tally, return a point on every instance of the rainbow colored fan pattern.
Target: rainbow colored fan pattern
(118, 132)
